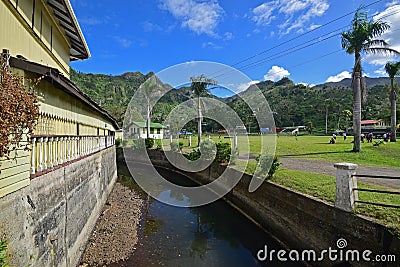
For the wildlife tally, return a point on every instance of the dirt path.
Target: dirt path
(115, 233)
(328, 169)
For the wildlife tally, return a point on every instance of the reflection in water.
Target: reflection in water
(210, 235)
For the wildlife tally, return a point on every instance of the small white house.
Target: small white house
(138, 129)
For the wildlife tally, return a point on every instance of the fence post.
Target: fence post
(345, 183)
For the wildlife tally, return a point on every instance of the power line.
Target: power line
(294, 38)
(287, 51)
(294, 49)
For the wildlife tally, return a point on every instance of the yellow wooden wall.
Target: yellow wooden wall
(15, 172)
(45, 44)
(59, 115)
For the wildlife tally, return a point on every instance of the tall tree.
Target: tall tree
(152, 90)
(200, 87)
(361, 39)
(392, 69)
(346, 114)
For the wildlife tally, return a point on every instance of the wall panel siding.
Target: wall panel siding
(15, 172)
(16, 186)
(20, 39)
(58, 104)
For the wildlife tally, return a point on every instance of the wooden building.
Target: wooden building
(41, 38)
(139, 130)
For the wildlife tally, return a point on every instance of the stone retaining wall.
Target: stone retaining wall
(49, 222)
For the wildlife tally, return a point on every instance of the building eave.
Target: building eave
(64, 13)
(53, 76)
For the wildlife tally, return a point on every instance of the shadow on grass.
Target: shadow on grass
(315, 153)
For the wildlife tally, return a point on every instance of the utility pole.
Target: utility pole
(326, 120)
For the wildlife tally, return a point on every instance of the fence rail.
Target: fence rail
(50, 151)
(377, 176)
(376, 190)
(347, 188)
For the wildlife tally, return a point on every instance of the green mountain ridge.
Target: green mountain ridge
(292, 104)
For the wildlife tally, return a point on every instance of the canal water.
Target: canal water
(212, 235)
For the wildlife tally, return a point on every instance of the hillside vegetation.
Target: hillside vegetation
(292, 104)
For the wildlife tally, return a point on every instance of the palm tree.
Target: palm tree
(361, 38)
(152, 90)
(200, 88)
(346, 114)
(392, 69)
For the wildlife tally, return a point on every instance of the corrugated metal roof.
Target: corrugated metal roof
(66, 16)
(152, 124)
(369, 121)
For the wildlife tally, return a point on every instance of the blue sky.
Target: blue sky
(151, 35)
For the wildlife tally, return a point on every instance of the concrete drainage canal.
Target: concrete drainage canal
(212, 235)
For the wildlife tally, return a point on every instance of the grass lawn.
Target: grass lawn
(314, 147)
(317, 147)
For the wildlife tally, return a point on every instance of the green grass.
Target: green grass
(316, 148)
(312, 147)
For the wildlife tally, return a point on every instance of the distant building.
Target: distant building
(373, 124)
(139, 130)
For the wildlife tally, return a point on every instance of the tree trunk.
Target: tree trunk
(199, 122)
(357, 112)
(393, 120)
(148, 121)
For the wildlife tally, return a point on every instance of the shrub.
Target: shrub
(208, 149)
(124, 143)
(224, 151)
(3, 254)
(378, 143)
(175, 146)
(194, 155)
(118, 142)
(138, 144)
(221, 151)
(158, 144)
(149, 142)
(267, 165)
(19, 111)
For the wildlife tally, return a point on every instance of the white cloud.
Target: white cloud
(262, 15)
(307, 84)
(276, 73)
(339, 77)
(212, 45)
(228, 36)
(199, 17)
(150, 27)
(313, 27)
(381, 72)
(392, 16)
(297, 13)
(125, 43)
(244, 86)
(393, 3)
(91, 21)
